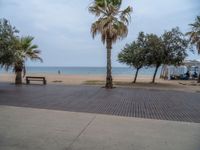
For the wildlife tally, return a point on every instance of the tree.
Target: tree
(155, 53)
(112, 25)
(169, 49)
(25, 50)
(194, 36)
(175, 45)
(7, 43)
(14, 51)
(133, 54)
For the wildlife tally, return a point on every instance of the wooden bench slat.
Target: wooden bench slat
(36, 77)
(36, 80)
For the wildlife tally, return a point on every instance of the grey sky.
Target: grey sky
(62, 27)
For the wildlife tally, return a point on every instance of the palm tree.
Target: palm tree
(194, 35)
(112, 25)
(25, 50)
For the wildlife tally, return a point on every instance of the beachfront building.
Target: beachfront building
(190, 69)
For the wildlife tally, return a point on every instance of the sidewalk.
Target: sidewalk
(40, 129)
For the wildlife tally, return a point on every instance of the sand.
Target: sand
(119, 80)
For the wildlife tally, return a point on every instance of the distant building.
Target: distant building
(190, 69)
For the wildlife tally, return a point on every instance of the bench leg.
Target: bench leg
(27, 82)
(44, 82)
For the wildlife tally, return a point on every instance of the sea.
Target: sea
(84, 70)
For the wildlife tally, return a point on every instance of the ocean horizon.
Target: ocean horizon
(84, 70)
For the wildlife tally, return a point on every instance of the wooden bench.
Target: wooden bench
(29, 78)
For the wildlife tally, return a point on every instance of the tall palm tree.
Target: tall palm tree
(194, 35)
(112, 25)
(24, 50)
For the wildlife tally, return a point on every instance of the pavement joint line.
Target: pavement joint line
(75, 139)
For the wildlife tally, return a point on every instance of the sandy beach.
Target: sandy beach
(119, 80)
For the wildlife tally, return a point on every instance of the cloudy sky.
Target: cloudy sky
(62, 27)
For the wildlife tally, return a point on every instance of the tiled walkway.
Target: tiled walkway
(141, 103)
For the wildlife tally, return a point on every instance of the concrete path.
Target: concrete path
(39, 129)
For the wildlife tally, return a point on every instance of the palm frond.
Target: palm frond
(112, 22)
(194, 34)
(125, 15)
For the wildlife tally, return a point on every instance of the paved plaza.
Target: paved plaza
(129, 102)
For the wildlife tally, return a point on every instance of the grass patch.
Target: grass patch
(101, 82)
(94, 82)
(130, 84)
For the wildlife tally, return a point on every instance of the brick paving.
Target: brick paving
(130, 102)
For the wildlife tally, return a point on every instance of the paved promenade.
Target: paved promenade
(140, 103)
(41, 129)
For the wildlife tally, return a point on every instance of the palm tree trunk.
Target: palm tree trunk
(136, 74)
(18, 72)
(109, 83)
(18, 78)
(155, 73)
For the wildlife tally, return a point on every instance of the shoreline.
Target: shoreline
(91, 71)
(80, 77)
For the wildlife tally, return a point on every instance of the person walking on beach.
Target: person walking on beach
(59, 72)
